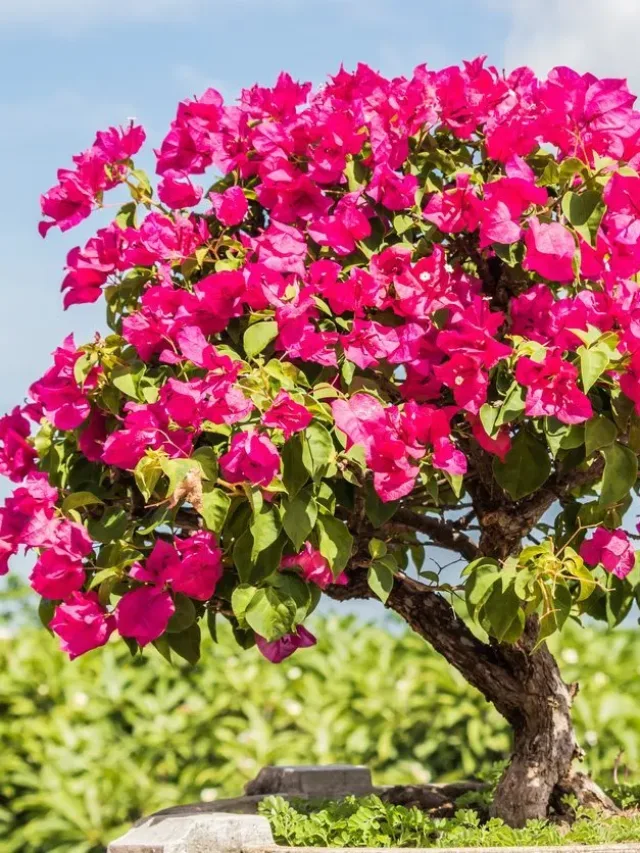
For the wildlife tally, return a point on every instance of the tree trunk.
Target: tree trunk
(524, 685)
(527, 689)
(544, 744)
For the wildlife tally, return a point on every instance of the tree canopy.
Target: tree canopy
(348, 323)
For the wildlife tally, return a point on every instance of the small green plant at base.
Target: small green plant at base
(370, 822)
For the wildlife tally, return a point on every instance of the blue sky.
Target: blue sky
(70, 67)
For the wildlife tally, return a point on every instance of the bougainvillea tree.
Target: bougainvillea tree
(348, 325)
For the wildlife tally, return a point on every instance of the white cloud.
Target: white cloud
(589, 35)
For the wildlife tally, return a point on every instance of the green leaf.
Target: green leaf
(302, 594)
(126, 379)
(254, 568)
(584, 211)
(126, 216)
(240, 600)
(526, 466)
(177, 470)
(299, 517)
(504, 613)
(110, 527)
(214, 509)
(294, 473)
(377, 548)
(184, 615)
(402, 223)
(593, 363)
(317, 450)
(147, 473)
(512, 406)
(103, 575)
(46, 609)
(211, 625)
(488, 418)
(163, 647)
(265, 529)
(620, 473)
(258, 336)
(482, 574)
(335, 542)
(599, 432)
(208, 460)
(585, 579)
(187, 643)
(378, 512)
(79, 499)
(562, 436)
(271, 614)
(380, 579)
(554, 618)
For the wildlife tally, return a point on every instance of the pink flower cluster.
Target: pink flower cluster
(394, 441)
(611, 548)
(96, 170)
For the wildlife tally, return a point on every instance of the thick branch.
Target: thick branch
(505, 522)
(440, 532)
(484, 666)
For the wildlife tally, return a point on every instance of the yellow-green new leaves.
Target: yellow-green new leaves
(500, 597)
(258, 336)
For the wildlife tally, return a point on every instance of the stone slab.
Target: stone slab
(330, 780)
(195, 829)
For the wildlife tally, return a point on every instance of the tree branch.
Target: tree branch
(441, 533)
(487, 667)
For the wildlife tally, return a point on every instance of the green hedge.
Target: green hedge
(87, 747)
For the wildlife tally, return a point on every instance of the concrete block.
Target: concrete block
(331, 780)
(195, 829)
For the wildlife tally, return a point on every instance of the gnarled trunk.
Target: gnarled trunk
(526, 687)
(544, 744)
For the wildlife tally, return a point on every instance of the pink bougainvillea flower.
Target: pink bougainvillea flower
(251, 457)
(176, 190)
(93, 436)
(612, 548)
(279, 650)
(550, 250)
(314, 567)
(456, 209)
(56, 575)
(230, 206)
(78, 189)
(143, 614)
(499, 445)
(200, 566)
(287, 415)
(81, 623)
(552, 389)
(467, 379)
(64, 402)
(17, 455)
(144, 427)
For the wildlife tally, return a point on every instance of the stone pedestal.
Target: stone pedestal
(314, 782)
(195, 829)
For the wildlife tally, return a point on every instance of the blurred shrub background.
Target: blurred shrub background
(88, 747)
